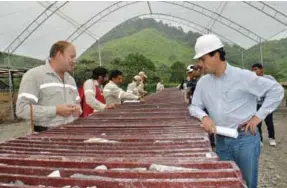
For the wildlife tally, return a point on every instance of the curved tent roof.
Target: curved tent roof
(30, 28)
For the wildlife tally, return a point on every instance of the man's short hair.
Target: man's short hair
(257, 65)
(59, 46)
(115, 73)
(221, 52)
(99, 71)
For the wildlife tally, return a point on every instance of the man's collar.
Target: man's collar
(49, 70)
(113, 82)
(227, 71)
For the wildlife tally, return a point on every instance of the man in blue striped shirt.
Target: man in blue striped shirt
(230, 96)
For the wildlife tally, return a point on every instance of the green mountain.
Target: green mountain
(18, 61)
(274, 58)
(136, 25)
(150, 42)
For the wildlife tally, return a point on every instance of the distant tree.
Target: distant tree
(86, 62)
(163, 71)
(83, 70)
(178, 72)
(132, 65)
(180, 29)
(190, 38)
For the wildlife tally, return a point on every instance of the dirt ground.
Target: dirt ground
(273, 161)
(4, 110)
(13, 130)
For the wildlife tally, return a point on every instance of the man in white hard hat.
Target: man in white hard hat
(187, 84)
(141, 85)
(132, 87)
(189, 70)
(194, 73)
(230, 96)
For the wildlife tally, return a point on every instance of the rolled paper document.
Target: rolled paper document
(225, 131)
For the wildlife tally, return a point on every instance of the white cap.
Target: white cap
(142, 74)
(189, 68)
(137, 77)
(206, 44)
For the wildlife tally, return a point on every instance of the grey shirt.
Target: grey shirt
(132, 88)
(45, 90)
(114, 95)
(141, 89)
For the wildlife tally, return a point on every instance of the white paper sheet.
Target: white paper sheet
(224, 131)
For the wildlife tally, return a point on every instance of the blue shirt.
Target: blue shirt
(231, 99)
(261, 99)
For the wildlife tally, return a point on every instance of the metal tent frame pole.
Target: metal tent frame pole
(99, 52)
(33, 26)
(268, 10)
(52, 8)
(242, 59)
(261, 52)
(11, 92)
(187, 5)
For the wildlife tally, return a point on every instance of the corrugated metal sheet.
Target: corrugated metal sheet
(141, 136)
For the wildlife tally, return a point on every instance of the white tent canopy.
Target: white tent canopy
(30, 28)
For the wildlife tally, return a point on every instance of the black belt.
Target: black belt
(38, 128)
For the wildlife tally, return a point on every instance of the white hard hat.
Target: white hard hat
(206, 44)
(142, 74)
(137, 78)
(189, 68)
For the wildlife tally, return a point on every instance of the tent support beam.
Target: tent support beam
(194, 7)
(99, 52)
(220, 19)
(33, 26)
(242, 59)
(94, 19)
(67, 18)
(213, 21)
(263, 7)
(188, 23)
(11, 92)
(149, 7)
(261, 53)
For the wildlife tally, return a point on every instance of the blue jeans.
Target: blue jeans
(244, 151)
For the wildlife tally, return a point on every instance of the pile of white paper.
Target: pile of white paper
(131, 101)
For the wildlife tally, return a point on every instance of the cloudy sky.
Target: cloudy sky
(237, 22)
